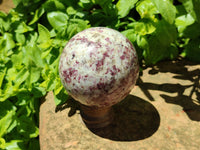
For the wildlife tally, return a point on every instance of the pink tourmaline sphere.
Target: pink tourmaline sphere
(99, 67)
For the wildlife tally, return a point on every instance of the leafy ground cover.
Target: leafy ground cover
(33, 35)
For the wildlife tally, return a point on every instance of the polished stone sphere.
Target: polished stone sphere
(98, 67)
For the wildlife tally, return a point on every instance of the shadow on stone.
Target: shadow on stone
(134, 119)
(188, 104)
(72, 104)
(182, 70)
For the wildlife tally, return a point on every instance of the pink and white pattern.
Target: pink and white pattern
(98, 67)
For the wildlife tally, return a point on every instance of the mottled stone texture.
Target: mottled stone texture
(98, 67)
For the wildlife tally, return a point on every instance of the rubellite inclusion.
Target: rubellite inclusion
(98, 67)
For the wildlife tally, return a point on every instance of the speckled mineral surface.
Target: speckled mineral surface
(98, 67)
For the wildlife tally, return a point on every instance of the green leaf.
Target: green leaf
(31, 38)
(58, 20)
(21, 77)
(143, 27)
(192, 7)
(9, 41)
(20, 38)
(130, 34)
(60, 95)
(34, 144)
(71, 11)
(192, 50)
(11, 74)
(23, 98)
(34, 75)
(165, 33)
(124, 7)
(22, 28)
(160, 42)
(4, 22)
(86, 4)
(7, 91)
(51, 83)
(183, 21)
(146, 9)
(107, 8)
(53, 5)
(192, 31)
(155, 52)
(49, 77)
(13, 125)
(27, 128)
(2, 75)
(167, 9)
(16, 2)
(6, 116)
(173, 52)
(17, 60)
(15, 145)
(38, 91)
(85, 1)
(32, 52)
(142, 42)
(44, 36)
(102, 3)
(2, 143)
(38, 13)
(75, 26)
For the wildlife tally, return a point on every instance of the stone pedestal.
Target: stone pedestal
(95, 118)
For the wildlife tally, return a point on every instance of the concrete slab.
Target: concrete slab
(161, 113)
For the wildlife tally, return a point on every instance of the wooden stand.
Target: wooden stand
(95, 118)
